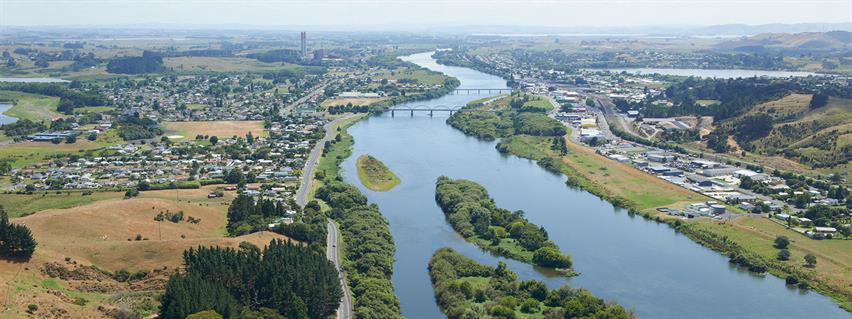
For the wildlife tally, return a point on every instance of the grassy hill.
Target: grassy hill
(817, 137)
(806, 41)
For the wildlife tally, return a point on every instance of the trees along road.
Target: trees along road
(333, 240)
(333, 253)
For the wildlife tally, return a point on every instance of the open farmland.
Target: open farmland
(103, 234)
(222, 129)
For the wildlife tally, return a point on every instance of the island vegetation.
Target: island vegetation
(374, 174)
(475, 216)
(466, 289)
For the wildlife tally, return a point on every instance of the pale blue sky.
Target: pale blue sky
(558, 13)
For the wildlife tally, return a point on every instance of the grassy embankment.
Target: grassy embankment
(749, 239)
(32, 107)
(332, 157)
(374, 174)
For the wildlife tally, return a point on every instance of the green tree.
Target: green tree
(810, 260)
(783, 254)
(214, 140)
(781, 242)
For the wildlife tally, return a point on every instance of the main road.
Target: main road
(313, 158)
(333, 240)
(332, 251)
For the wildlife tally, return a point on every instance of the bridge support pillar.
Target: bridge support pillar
(430, 113)
(412, 113)
(392, 113)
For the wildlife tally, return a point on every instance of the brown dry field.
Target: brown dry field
(354, 101)
(222, 129)
(97, 234)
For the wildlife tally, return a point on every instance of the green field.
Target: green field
(539, 103)
(374, 174)
(329, 162)
(93, 109)
(32, 107)
(27, 153)
(19, 205)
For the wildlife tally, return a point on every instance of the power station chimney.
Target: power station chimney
(304, 47)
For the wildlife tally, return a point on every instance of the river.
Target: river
(5, 119)
(641, 264)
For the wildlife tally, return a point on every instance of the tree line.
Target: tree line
(369, 250)
(475, 216)
(284, 279)
(467, 289)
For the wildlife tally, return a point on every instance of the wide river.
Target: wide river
(643, 265)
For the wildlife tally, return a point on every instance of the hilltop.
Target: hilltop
(790, 42)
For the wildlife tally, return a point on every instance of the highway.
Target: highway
(333, 253)
(313, 158)
(333, 240)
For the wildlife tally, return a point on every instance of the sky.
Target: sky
(550, 13)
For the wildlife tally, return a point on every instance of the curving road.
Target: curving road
(333, 240)
(308, 170)
(332, 251)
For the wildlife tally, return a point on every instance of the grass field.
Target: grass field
(599, 172)
(18, 205)
(97, 234)
(539, 103)
(374, 174)
(196, 106)
(420, 75)
(32, 107)
(222, 129)
(93, 109)
(27, 153)
(354, 101)
(223, 64)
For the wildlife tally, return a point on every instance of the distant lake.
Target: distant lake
(713, 73)
(4, 119)
(34, 80)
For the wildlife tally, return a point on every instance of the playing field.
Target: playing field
(222, 129)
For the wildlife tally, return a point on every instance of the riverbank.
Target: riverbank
(366, 242)
(747, 241)
(374, 174)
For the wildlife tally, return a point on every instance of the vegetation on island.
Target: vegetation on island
(466, 289)
(475, 216)
(505, 117)
(282, 280)
(374, 174)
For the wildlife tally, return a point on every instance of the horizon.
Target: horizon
(429, 14)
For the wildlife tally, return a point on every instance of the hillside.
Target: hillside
(816, 137)
(795, 42)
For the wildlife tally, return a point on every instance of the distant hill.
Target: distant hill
(791, 42)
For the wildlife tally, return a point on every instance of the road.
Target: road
(333, 253)
(333, 240)
(308, 170)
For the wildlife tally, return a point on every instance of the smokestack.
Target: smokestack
(304, 47)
